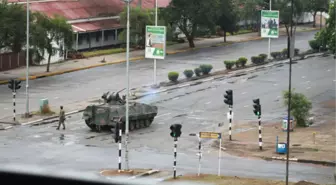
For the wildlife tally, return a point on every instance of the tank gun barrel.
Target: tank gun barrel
(121, 90)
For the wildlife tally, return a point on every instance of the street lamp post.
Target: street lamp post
(127, 87)
(27, 63)
(289, 87)
(156, 17)
(269, 39)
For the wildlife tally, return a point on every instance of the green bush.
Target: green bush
(300, 106)
(257, 59)
(173, 76)
(296, 51)
(284, 53)
(276, 54)
(237, 63)
(206, 68)
(263, 57)
(188, 73)
(229, 64)
(242, 61)
(314, 44)
(198, 71)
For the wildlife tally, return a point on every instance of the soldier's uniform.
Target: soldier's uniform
(61, 118)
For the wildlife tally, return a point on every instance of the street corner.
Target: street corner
(130, 173)
(5, 126)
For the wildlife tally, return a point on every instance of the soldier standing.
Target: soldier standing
(61, 119)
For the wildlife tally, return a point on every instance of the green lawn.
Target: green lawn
(103, 52)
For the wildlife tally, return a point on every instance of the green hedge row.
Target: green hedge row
(283, 53)
(241, 62)
(203, 69)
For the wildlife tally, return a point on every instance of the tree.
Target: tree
(250, 10)
(228, 17)
(300, 106)
(284, 6)
(48, 31)
(12, 18)
(139, 18)
(315, 6)
(188, 16)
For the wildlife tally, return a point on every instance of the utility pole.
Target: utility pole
(27, 62)
(127, 88)
(156, 17)
(269, 39)
(289, 88)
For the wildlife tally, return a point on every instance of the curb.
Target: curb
(5, 127)
(51, 119)
(147, 173)
(326, 163)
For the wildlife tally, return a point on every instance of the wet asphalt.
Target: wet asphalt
(81, 85)
(197, 108)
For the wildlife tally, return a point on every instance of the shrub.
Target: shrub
(314, 44)
(173, 76)
(206, 68)
(198, 71)
(263, 57)
(300, 106)
(229, 64)
(242, 61)
(284, 53)
(188, 73)
(257, 59)
(276, 54)
(296, 51)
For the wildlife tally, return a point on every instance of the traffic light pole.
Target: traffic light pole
(230, 122)
(260, 138)
(175, 154)
(119, 158)
(14, 104)
(199, 154)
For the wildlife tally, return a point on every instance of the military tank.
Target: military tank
(113, 111)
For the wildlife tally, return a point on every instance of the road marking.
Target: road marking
(166, 114)
(278, 97)
(334, 80)
(246, 106)
(329, 70)
(243, 92)
(56, 98)
(176, 98)
(303, 77)
(160, 123)
(307, 81)
(308, 87)
(208, 102)
(275, 84)
(6, 108)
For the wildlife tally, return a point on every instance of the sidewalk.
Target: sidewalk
(81, 64)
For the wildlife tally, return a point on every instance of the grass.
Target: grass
(240, 32)
(226, 180)
(103, 52)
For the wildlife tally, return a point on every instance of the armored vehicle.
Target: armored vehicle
(113, 111)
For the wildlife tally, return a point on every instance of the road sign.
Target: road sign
(155, 42)
(210, 135)
(269, 23)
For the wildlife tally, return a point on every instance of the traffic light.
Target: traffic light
(175, 130)
(11, 84)
(116, 133)
(228, 97)
(17, 84)
(257, 107)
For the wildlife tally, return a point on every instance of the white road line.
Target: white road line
(329, 70)
(56, 97)
(208, 102)
(308, 87)
(307, 81)
(185, 85)
(303, 77)
(243, 92)
(334, 80)
(6, 108)
(275, 84)
(278, 97)
(166, 114)
(176, 98)
(245, 106)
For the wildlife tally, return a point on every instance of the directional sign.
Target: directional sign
(210, 135)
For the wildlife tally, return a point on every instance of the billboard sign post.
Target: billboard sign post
(155, 42)
(269, 23)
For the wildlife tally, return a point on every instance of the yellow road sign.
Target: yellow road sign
(210, 135)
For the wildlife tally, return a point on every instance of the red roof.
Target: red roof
(83, 9)
(95, 25)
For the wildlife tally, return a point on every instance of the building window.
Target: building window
(88, 35)
(97, 36)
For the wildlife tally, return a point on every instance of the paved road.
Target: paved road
(80, 85)
(198, 108)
